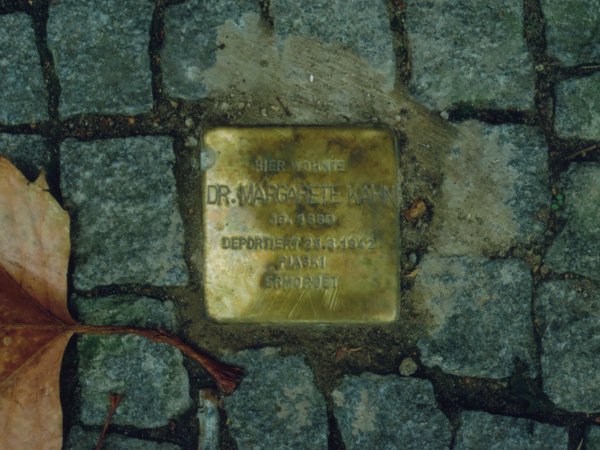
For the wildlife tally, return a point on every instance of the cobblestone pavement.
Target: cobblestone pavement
(496, 106)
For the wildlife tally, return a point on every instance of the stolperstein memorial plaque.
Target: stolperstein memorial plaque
(301, 224)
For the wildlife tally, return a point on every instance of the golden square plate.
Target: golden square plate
(301, 224)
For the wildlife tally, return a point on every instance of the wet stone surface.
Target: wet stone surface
(494, 192)
(29, 154)
(126, 226)
(578, 107)
(577, 246)
(389, 412)
(479, 430)
(469, 51)
(22, 93)
(150, 376)
(568, 320)
(359, 25)
(479, 315)
(572, 30)
(100, 50)
(122, 310)
(191, 41)
(277, 404)
(593, 438)
(79, 439)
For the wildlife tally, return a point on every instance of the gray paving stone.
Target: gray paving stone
(568, 320)
(480, 315)
(388, 412)
(191, 45)
(362, 26)
(124, 310)
(28, 153)
(126, 227)
(495, 191)
(572, 30)
(150, 376)
(277, 404)
(578, 107)
(593, 439)
(23, 97)
(79, 439)
(100, 51)
(470, 51)
(479, 430)
(577, 247)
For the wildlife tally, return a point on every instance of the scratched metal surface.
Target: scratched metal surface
(301, 224)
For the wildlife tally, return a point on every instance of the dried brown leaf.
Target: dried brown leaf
(416, 211)
(34, 319)
(35, 324)
(34, 245)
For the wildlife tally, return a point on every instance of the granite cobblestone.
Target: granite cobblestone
(191, 41)
(479, 430)
(569, 325)
(593, 438)
(100, 50)
(576, 248)
(572, 30)
(469, 51)
(388, 412)
(578, 107)
(23, 97)
(277, 404)
(480, 315)
(150, 376)
(79, 439)
(122, 196)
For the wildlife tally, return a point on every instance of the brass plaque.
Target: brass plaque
(301, 224)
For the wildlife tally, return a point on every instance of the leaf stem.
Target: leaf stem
(226, 376)
(583, 151)
(115, 400)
